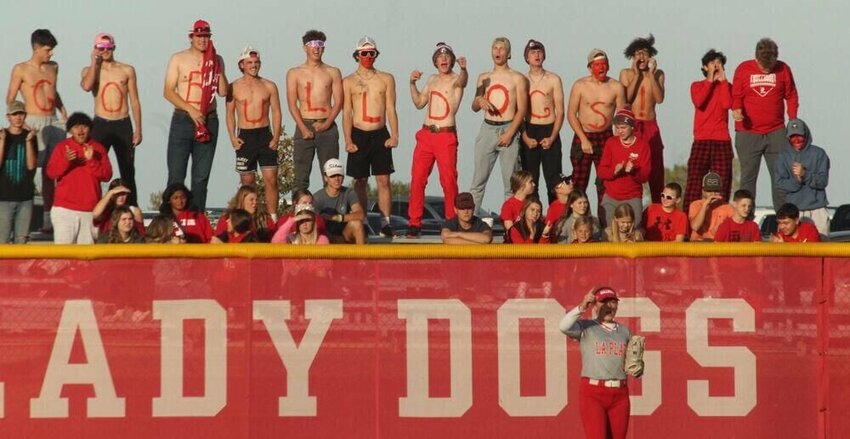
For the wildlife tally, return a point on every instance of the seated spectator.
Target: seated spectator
(163, 229)
(299, 196)
(247, 199)
(664, 221)
(577, 206)
(707, 213)
(522, 185)
(339, 207)
(802, 172)
(118, 195)
(465, 227)
(123, 230)
(624, 167)
(177, 201)
(738, 227)
(17, 169)
(791, 229)
(78, 164)
(583, 230)
(304, 223)
(238, 229)
(562, 189)
(529, 228)
(622, 228)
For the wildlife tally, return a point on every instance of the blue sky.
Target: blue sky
(148, 32)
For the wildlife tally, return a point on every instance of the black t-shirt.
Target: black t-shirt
(16, 181)
(477, 225)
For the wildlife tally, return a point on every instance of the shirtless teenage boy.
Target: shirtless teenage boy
(36, 80)
(314, 99)
(194, 132)
(502, 94)
(368, 106)
(251, 98)
(113, 86)
(437, 140)
(590, 112)
(644, 84)
(541, 139)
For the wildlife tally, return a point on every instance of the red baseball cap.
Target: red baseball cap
(605, 293)
(201, 28)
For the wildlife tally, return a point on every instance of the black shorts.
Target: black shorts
(371, 153)
(254, 150)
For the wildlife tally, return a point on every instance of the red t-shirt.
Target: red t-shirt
(511, 209)
(624, 186)
(556, 209)
(712, 101)
(806, 232)
(664, 226)
(763, 96)
(730, 231)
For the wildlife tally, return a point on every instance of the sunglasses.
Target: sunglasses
(667, 197)
(319, 44)
(104, 48)
(367, 53)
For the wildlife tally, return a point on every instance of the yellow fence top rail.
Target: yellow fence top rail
(420, 251)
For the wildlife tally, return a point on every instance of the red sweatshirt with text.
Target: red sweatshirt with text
(624, 186)
(764, 96)
(78, 182)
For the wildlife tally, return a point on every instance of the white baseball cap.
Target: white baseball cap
(333, 167)
(249, 52)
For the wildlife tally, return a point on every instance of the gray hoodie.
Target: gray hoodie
(810, 192)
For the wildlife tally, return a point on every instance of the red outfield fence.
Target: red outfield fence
(264, 341)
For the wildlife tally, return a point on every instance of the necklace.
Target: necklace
(533, 80)
(365, 78)
(628, 142)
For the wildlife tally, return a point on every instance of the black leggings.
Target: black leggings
(119, 134)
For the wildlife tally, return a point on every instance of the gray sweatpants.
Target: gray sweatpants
(751, 147)
(486, 152)
(324, 145)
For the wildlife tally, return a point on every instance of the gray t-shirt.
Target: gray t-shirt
(340, 204)
(603, 350)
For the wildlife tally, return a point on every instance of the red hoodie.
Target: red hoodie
(78, 182)
(624, 186)
(763, 97)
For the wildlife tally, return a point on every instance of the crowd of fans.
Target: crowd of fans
(614, 123)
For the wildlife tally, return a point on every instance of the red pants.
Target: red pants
(604, 411)
(648, 130)
(431, 147)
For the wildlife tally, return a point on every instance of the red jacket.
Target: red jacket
(712, 101)
(763, 97)
(624, 186)
(78, 182)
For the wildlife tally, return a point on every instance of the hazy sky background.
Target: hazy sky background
(811, 38)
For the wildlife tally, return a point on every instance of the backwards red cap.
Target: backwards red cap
(201, 28)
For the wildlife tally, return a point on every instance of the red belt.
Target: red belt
(439, 129)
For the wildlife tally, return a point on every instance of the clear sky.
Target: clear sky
(810, 37)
